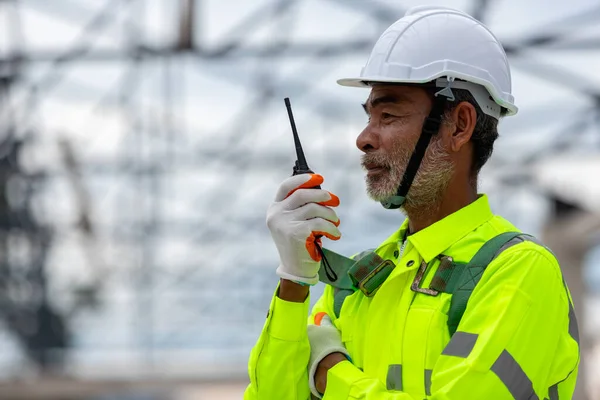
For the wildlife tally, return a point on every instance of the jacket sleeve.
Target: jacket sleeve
(278, 362)
(516, 340)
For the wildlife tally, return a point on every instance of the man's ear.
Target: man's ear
(463, 119)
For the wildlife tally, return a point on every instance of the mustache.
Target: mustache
(372, 159)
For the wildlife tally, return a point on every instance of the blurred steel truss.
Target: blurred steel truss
(146, 174)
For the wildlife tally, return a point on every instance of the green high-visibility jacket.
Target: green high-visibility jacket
(517, 339)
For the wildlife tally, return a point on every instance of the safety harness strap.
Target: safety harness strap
(467, 276)
(367, 271)
(336, 273)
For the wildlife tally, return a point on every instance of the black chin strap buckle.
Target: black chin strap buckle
(393, 202)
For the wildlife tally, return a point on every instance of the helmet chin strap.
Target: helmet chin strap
(430, 128)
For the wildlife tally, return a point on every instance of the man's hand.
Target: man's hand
(297, 219)
(323, 368)
(326, 350)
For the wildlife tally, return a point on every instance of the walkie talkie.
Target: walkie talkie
(301, 166)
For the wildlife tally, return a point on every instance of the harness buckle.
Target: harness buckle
(369, 273)
(370, 283)
(416, 284)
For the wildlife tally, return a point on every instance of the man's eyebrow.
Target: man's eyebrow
(388, 98)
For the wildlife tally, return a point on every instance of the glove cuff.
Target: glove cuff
(324, 339)
(300, 279)
(314, 363)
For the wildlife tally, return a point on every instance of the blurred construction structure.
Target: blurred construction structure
(141, 142)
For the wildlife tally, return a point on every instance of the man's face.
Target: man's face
(396, 117)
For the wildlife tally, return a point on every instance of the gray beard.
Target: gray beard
(427, 190)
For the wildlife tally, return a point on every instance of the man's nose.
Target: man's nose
(368, 140)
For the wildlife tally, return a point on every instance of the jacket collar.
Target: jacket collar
(438, 237)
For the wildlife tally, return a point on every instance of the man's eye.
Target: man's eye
(387, 115)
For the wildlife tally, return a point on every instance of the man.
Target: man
(465, 309)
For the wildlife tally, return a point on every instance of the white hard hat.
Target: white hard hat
(436, 42)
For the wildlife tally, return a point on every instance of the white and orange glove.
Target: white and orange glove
(324, 339)
(297, 218)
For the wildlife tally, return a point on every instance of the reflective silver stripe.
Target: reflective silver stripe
(394, 377)
(514, 378)
(553, 392)
(428, 373)
(573, 328)
(461, 344)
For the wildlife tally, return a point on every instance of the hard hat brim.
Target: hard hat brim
(352, 82)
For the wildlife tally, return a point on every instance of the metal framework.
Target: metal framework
(155, 151)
